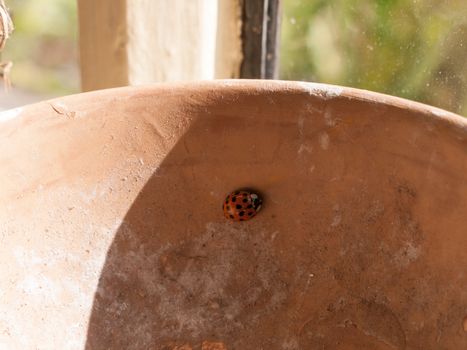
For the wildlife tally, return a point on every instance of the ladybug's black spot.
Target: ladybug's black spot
(250, 213)
(238, 206)
(227, 200)
(245, 200)
(241, 213)
(228, 207)
(234, 199)
(231, 216)
(249, 207)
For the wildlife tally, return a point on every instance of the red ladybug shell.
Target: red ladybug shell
(241, 205)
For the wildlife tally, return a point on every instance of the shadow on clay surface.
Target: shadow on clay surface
(339, 257)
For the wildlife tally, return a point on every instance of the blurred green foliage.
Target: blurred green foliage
(408, 48)
(43, 46)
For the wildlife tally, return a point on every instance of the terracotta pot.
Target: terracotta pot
(113, 237)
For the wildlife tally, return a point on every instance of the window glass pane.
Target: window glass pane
(415, 49)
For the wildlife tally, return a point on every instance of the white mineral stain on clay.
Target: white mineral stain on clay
(190, 269)
(326, 91)
(26, 258)
(301, 124)
(336, 220)
(290, 344)
(10, 114)
(324, 141)
(328, 118)
(305, 148)
(67, 298)
(407, 254)
(39, 285)
(88, 196)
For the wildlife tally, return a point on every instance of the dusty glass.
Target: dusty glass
(407, 48)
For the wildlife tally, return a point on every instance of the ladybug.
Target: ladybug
(242, 205)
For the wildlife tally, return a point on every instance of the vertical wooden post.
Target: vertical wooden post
(143, 41)
(229, 55)
(131, 42)
(103, 43)
(171, 40)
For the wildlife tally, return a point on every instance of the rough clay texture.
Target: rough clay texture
(113, 237)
